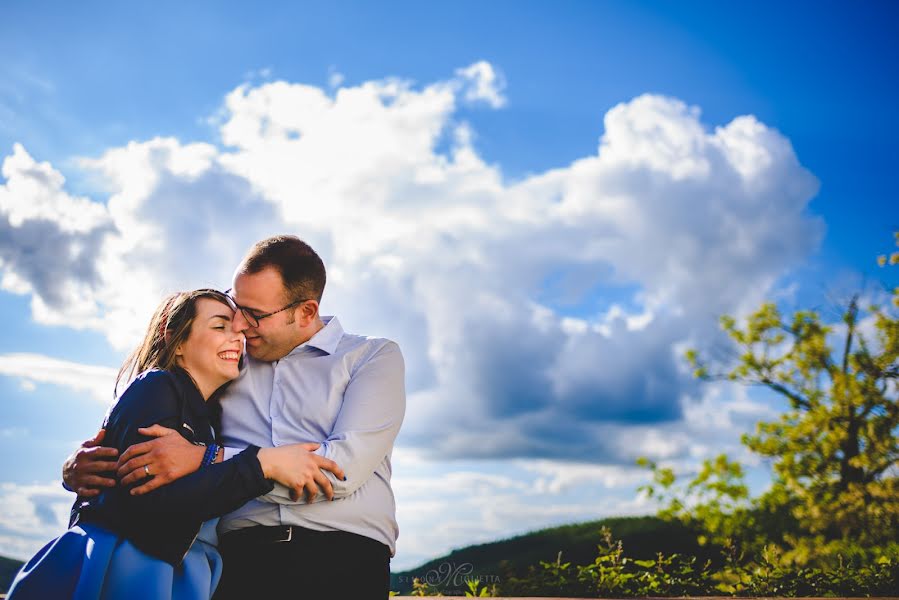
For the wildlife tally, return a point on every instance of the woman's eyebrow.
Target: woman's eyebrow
(225, 317)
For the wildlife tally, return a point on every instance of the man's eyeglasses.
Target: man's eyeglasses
(252, 317)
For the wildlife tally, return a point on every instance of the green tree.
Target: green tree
(835, 451)
(715, 503)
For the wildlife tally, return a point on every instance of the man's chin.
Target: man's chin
(256, 352)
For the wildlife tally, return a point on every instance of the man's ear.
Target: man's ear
(308, 312)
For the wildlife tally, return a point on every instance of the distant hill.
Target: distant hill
(8, 569)
(642, 537)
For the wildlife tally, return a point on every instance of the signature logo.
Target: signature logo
(449, 574)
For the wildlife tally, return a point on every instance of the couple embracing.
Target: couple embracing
(253, 445)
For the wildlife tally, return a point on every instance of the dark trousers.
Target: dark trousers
(312, 566)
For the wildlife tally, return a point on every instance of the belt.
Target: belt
(260, 535)
(241, 539)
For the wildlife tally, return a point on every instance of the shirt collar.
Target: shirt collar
(326, 339)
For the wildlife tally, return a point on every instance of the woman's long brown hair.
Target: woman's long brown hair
(168, 329)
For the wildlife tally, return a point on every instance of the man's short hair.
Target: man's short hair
(301, 269)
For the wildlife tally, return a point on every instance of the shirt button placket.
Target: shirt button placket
(275, 406)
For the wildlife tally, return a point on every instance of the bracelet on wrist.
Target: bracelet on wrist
(209, 455)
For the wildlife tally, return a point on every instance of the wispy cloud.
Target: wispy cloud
(442, 505)
(30, 368)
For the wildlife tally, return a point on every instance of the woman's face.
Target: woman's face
(212, 350)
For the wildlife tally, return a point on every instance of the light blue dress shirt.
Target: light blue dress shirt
(344, 391)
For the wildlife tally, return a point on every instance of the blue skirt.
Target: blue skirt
(91, 563)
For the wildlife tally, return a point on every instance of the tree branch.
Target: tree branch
(798, 400)
(850, 318)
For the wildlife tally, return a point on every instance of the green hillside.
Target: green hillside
(8, 569)
(642, 537)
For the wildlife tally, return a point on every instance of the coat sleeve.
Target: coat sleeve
(209, 492)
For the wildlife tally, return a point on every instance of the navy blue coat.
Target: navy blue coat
(165, 522)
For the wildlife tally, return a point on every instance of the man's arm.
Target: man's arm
(369, 420)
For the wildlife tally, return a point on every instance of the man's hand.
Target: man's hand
(81, 470)
(296, 467)
(165, 459)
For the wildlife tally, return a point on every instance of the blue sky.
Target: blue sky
(102, 75)
(85, 81)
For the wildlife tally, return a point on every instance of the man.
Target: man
(305, 380)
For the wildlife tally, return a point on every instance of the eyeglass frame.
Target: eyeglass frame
(254, 319)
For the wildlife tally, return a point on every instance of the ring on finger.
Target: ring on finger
(147, 470)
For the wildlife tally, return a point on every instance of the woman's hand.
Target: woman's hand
(161, 460)
(296, 467)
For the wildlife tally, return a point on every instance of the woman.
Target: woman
(161, 544)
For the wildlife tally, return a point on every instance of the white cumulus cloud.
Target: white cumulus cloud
(498, 292)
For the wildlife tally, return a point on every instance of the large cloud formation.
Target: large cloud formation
(544, 317)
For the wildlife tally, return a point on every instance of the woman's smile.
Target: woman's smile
(230, 355)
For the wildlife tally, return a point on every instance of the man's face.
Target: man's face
(277, 335)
